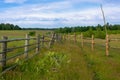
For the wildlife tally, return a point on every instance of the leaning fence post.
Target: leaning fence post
(4, 51)
(26, 45)
(52, 40)
(92, 45)
(38, 43)
(107, 45)
(82, 40)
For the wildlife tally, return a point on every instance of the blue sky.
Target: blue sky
(58, 13)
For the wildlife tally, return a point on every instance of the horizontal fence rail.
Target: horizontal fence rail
(93, 41)
(26, 47)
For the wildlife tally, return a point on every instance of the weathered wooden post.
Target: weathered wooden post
(26, 45)
(92, 45)
(4, 51)
(107, 45)
(52, 40)
(82, 41)
(57, 37)
(38, 43)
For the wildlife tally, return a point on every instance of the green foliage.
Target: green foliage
(56, 65)
(89, 33)
(32, 33)
(8, 26)
(103, 67)
(89, 30)
(50, 62)
(100, 34)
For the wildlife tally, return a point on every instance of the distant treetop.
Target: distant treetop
(8, 26)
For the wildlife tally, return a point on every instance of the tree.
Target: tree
(9, 26)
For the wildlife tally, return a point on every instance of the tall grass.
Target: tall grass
(68, 61)
(104, 68)
(62, 62)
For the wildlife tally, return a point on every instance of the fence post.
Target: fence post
(82, 40)
(107, 45)
(26, 46)
(57, 37)
(92, 45)
(38, 43)
(52, 40)
(4, 51)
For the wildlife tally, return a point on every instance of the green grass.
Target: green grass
(76, 69)
(21, 33)
(68, 61)
(103, 67)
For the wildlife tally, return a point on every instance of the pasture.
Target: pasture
(21, 33)
(68, 60)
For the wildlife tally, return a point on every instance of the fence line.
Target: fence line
(39, 41)
(92, 42)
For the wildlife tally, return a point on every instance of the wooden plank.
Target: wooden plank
(92, 45)
(82, 41)
(26, 46)
(38, 43)
(3, 55)
(52, 40)
(107, 45)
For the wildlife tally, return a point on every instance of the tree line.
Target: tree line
(8, 26)
(87, 28)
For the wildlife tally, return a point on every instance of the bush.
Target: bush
(100, 34)
(32, 33)
(51, 62)
(88, 33)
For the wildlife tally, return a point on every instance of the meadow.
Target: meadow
(67, 60)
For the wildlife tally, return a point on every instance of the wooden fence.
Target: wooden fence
(38, 42)
(92, 41)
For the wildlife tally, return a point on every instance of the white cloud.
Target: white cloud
(58, 14)
(14, 1)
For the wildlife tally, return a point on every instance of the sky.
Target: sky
(58, 13)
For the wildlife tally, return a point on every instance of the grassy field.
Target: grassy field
(69, 61)
(21, 33)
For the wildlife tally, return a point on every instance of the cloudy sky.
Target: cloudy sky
(58, 13)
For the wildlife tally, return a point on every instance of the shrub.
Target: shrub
(32, 33)
(89, 33)
(51, 62)
(100, 34)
